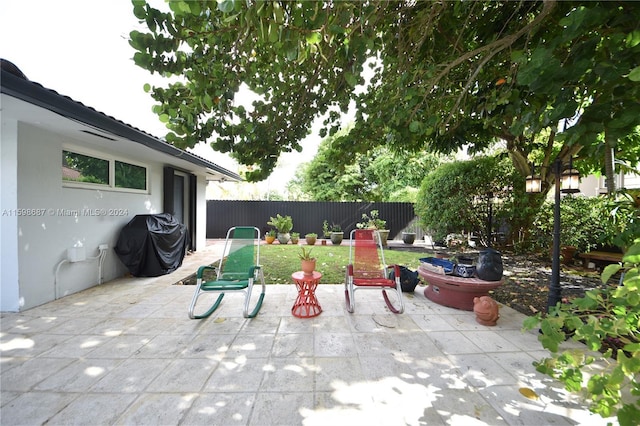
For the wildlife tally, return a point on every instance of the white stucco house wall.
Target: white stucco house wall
(48, 217)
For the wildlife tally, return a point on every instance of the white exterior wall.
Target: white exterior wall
(42, 241)
(201, 213)
(9, 292)
(592, 185)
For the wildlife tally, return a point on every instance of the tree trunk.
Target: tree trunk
(609, 157)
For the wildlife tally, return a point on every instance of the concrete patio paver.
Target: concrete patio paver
(125, 352)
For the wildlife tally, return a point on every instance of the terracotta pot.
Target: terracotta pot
(308, 266)
(310, 240)
(270, 239)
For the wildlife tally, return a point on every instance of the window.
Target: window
(130, 176)
(83, 170)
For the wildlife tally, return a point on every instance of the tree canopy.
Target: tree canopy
(377, 175)
(553, 79)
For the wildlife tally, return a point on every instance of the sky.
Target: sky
(80, 49)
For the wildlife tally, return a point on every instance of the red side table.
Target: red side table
(306, 305)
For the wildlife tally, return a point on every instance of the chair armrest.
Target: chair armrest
(253, 269)
(350, 270)
(202, 269)
(396, 271)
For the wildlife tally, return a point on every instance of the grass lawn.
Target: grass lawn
(280, 261)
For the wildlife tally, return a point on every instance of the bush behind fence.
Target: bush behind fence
(308, 216)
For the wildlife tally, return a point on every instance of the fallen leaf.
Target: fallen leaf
(529, 393)
(219, 320)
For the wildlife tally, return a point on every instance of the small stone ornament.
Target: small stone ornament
(486, 310)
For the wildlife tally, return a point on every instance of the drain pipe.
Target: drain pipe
(77, 254)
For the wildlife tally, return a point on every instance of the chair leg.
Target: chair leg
(390, 305)
(258, 305)
(349, 301)
(208, 312)
(349, 294)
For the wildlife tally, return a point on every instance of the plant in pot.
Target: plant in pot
(311, 238)
(373, 221)
(284, 225)
(295, 237)
(308, 263)
(337, 234)
(326, 233)
(409, 236)
(270, 236)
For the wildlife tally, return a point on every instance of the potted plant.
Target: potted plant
(311, 238)
(336, 234)
(284, 225)
(270, 236)
(373, 221)
(409, 236)
(308, 263)
(295, 237)
(326, 233)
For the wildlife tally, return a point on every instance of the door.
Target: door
(180, 199)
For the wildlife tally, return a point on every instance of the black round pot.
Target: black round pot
(408, 237)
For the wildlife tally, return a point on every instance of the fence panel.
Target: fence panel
(308, 216)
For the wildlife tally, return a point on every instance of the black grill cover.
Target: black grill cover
(152, 245)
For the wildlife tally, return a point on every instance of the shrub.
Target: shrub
(453, 198)
(624, 217)
(606, 321)
(586, 222)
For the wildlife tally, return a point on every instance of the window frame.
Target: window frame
(111, 159)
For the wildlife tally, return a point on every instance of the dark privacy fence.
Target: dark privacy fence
(307, 216)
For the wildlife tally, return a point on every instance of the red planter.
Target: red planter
(455, 292)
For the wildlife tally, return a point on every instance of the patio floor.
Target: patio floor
(125, 352)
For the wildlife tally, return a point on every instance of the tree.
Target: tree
(443, 75)
(377, 175)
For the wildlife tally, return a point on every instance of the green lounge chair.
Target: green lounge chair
(237, 271)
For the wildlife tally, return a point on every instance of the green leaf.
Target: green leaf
(139, 10)
(633, 299)
(164, 118)
(634, 75)
(628, 415)
(314, 37)
(146, 87)
(225, 6)
(633, 254)
(633, 38)
(415, 126)
(530, 322)
(632, 347)
(609, 271)
(208, 101)
(351, 79)
(273, 32)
